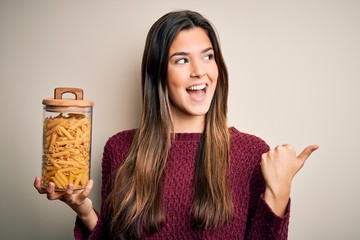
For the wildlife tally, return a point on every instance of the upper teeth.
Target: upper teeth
(197, 87)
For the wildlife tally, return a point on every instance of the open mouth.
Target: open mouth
(197, 90)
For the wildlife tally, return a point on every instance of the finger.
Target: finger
(50, 189)
(88, 188)
(307, 152)
(289, 147)
(279, 146)
(285, 146)
(37, 185)
(68, 193)
(85, 193)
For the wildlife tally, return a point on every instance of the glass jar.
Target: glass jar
(67, 127)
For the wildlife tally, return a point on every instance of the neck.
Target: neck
(188, 124)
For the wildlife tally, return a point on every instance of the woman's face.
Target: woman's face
(192, 74)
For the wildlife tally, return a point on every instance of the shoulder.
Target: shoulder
(116, 149)
(247, 144)
(247, 140)
(121, 138)
(245, 153)
(120, 142)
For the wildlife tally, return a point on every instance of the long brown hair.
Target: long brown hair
(135, 201)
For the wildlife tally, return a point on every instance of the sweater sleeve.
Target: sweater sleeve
(263, 223)
(82, 233)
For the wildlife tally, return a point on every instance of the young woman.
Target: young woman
(183, 173)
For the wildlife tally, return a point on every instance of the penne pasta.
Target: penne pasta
(66, 133)
(78, 123)
(62, 183)
(78, 179)
(58, 154)
(54, 122)
(66, 151)
(57, 183)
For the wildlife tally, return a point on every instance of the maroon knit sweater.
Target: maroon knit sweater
(253, 218)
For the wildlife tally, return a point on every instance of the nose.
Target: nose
(198, 70)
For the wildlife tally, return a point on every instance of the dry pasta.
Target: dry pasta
(66, 151)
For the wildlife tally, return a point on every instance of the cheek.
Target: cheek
(173, 84)
(213, 74)
(176, 78)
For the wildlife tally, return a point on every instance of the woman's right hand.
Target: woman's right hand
(77, 199)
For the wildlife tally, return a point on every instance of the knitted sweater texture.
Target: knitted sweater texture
(253, 218)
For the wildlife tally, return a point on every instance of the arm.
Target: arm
(77, 200)
(263, 223)
(279, 166)
(269, 210)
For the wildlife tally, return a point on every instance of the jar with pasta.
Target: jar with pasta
(67, 126)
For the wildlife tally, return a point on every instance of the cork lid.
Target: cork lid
(59, 101)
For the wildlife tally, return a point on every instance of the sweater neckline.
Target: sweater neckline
(187, 136)
(193, 136)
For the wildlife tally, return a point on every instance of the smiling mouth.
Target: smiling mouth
(197, 90)
(197, 87)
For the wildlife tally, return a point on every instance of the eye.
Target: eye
(181, 61)
(209, 57)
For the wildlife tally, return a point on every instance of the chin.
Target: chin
(200, 112)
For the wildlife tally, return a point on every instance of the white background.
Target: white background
(294, 78)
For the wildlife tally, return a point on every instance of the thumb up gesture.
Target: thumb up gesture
(279, 166)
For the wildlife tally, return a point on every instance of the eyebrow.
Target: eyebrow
(186, 53)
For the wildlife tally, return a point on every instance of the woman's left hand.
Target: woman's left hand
(279, 166)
